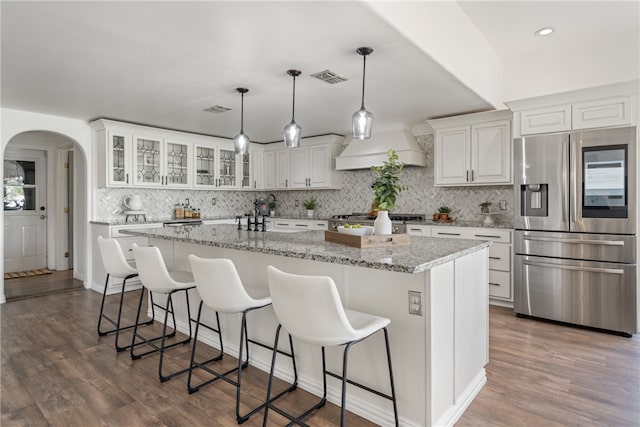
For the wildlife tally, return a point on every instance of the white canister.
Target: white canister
(133, 202)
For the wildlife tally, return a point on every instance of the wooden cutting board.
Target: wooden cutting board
(364, 242)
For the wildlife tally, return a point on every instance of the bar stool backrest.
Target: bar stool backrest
(219, 284)
(113, 258)
(152, 270)
(309, 308)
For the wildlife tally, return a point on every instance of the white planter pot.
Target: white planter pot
(310, 213)
(382, 224)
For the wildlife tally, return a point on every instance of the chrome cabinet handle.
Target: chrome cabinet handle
(577, 241)
(471, 175)
(127, 178)
(574, 268)
(494, 257)
(467, 175)
(494, 284)
(487, 235)
(440, 233)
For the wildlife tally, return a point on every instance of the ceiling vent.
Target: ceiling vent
(217, 109)
(329, 77)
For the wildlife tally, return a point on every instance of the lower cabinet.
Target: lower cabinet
(297, 224)
(500, 256)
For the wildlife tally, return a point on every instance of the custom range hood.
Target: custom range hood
(364, 153)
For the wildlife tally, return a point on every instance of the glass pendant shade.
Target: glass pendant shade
(293, 131)
(362, 122)
(241, 141)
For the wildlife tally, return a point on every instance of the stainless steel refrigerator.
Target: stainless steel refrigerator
(576, 223)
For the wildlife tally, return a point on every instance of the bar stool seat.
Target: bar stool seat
(310, 309)
(116, 266)
(157, 279)
(222, 290)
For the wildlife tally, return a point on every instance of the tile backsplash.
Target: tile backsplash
(356, 196)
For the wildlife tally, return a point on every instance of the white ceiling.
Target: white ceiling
(162, 63)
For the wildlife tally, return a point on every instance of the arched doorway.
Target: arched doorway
(62, 141)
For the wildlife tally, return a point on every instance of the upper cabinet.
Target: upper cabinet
(310, 166)
(473, 149)
(597, 107)
(149, 157)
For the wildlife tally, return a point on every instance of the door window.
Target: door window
(19, 185)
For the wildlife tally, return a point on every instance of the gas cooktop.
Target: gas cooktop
(366, 216)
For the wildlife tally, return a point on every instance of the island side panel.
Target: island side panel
(374, 291)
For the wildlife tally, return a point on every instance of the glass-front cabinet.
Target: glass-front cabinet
(161, 163)
(119, 157)
(218, 166)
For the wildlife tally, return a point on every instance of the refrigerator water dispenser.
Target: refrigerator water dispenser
(534, 199)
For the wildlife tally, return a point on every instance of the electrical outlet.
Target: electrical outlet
(297, 203)
(213, 201)
(415, 303)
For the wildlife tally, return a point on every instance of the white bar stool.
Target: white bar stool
(221, 289)
(310, 309)
(155, 277)
(116, 266)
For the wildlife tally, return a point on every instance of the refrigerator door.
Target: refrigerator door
(604, 187)
(542, 182)
(595, 294)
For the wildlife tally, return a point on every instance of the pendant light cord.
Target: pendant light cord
(242, 112)
(364, 73)
(293, 109)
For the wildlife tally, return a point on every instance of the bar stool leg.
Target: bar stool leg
(104, 295)
(393, 388)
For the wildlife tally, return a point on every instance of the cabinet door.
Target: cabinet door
(300, 167)
(545, 120)
(320, 166)
(205, 166)
(269, 165)
(245, 171)
(119, 153)
(226, 171)
(601, 113)
(148, 161)
(452, 155)
(282, 169)
(177, 171)
(257, 170)
(491, 153)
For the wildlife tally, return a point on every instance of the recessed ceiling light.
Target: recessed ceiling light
(544, 31)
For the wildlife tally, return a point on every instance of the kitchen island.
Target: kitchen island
(438, 355)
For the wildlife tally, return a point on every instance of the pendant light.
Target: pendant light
(362, 119)
(292, 131)
(241, 141)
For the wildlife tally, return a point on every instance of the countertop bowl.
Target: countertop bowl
(364, 230)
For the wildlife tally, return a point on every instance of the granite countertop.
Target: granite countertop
(422, 254)
(156, 220)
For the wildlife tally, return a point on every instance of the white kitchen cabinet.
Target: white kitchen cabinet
(312, 165)
(269, 170)
(500, 256)
(601, 113)
(298, 224)
(161, 163)
(257, 169)
(218, 166)
(119, 153)
(474, 149)
(282, 169)
(418, 230)
(556, 118)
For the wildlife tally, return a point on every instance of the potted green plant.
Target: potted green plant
(386, 188)
(444, 212)
(272, 208)
(484, 207)
(310, 205)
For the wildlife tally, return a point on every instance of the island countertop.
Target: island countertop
(422, 254)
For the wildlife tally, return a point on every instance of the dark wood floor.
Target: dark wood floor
(56, 371)
(44, 284)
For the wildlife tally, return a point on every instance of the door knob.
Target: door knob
(43, 216)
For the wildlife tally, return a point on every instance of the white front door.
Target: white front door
(25, 215)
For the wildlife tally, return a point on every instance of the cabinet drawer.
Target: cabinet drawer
(500, 236)
(116, 231)
(127, 245)
(418, 230)
(500, 257)
(321, 225)
(499, 284)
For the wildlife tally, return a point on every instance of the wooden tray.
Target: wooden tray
(367, 241)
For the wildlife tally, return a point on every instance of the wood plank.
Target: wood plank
(364, 242)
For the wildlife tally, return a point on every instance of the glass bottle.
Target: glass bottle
(188, 213)
(179, 211)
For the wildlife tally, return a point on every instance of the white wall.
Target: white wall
(16, 122)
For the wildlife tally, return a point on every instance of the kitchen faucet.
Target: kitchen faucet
(256, 215)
